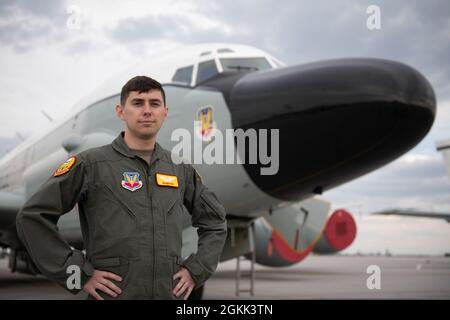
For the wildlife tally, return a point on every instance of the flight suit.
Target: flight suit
(131, 221)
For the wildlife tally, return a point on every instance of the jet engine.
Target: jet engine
(340, 231)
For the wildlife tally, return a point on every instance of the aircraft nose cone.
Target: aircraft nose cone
(337, 120)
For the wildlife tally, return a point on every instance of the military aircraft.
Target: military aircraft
(334, 121)
(442, 146)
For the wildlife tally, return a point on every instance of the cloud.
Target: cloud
(182, 28)
(27, 24)
(43, 8)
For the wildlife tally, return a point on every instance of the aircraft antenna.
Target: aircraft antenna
(47, 115)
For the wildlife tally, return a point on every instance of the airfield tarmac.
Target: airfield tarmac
(317, 277)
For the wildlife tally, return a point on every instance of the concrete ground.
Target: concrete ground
(317, 277)
(341, 277)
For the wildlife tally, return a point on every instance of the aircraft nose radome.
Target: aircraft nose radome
(337, 119)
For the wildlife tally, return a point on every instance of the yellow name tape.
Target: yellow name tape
(166, 180)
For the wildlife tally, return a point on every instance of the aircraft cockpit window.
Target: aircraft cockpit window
(206, 70)
(183, 75)
(246, 64)
(277, 63)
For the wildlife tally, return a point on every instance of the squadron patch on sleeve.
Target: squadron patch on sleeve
(65, 167)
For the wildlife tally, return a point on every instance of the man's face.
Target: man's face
(143, 113)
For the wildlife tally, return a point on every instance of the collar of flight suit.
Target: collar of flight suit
(120, 146)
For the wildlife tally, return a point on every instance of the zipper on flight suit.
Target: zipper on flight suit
(152, 161)
(147, 169)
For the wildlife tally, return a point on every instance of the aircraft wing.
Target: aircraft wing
(415, 213)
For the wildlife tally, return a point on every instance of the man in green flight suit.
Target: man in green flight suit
(130, 197)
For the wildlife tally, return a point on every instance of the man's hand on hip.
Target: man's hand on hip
(185, 285)
(100, 280)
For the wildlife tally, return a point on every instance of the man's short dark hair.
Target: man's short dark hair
(140, 84)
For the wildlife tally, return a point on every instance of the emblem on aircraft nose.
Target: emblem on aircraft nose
(207, 124)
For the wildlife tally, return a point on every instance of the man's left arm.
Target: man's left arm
(208, 215)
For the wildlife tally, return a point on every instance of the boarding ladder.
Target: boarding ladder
(249, 226)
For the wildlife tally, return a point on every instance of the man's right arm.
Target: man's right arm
(37, 226)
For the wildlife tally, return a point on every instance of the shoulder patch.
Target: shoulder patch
(65, 167)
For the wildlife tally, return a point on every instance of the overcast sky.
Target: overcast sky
(48, 64)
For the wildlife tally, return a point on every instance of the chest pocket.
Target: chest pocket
(168, 196)
(114, 217)
(168, 199)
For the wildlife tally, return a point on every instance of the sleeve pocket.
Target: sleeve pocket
(211, 204)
